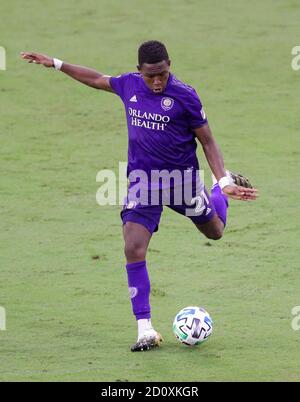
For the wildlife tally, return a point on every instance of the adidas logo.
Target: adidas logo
(133, 99)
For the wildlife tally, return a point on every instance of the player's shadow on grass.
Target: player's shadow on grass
(176, 347)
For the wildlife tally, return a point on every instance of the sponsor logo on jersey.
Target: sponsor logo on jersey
(154, 121)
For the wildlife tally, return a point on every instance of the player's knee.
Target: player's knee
(134, 250)
(215, 235)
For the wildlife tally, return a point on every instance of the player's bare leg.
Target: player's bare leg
(215, 227)
(212, 229)
(137, 239)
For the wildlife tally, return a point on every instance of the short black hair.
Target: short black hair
(152, 52)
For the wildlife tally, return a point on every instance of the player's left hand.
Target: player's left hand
(241, 193)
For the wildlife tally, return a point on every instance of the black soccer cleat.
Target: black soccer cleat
(239, 180)
(148, 341)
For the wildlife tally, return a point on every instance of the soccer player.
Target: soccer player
(164, 117)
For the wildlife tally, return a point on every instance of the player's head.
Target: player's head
(154, 65)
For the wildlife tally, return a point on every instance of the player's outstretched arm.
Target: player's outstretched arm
(215, 161)
(82, 74)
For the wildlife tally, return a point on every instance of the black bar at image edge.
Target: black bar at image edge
(96, 391)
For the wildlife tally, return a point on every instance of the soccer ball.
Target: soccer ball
(192, 325)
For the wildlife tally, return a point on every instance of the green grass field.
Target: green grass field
(62, 276)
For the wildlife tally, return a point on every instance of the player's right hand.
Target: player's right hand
(37, 58)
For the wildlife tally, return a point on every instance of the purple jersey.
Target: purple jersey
(160, 126)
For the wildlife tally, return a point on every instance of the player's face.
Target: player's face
(156, 75)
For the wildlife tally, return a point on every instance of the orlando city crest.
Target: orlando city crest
(167, 103)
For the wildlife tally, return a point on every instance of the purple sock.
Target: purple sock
(139, 289)
(220, 202)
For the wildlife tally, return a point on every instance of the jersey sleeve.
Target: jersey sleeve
(120, 83)
(195, 113)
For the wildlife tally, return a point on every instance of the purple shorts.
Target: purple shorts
(146, 209)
